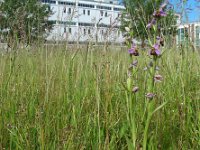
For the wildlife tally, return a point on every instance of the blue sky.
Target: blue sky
(192, 7)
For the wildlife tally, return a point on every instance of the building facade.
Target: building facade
(99, 21)
(85, 20)
(189, 32)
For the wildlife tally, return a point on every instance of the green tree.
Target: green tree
(24, 21)
(138, 14)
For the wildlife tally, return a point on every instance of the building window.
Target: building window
(104, 25)
(86, 5)
(182, 34)
(106, 14)
(118, 9)
(84, 11)
(198, 36)
(69, 11)
(198, 32)
(101, 32)
(84, 31)
(49, 1)
(103, 7)
(88, 31)
(66, 22)
(101, 12)
(66, 3)
(88, 12)
(86, 24)
(70, 30)
(64, 9)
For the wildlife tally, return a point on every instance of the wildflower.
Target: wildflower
(160, 40)
(133, 50)
(159, 13)
(155, 50)
(134, 63)
(153, 22)
(158, 78)
(135, 89)
(150, 95)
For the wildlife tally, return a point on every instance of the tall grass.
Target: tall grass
(76, 99)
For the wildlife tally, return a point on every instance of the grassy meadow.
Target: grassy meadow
(53, 98)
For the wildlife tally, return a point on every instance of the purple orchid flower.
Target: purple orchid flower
(135, 89)
(153, 22)
(158, 38)
(155, 50)
(150, 95)
(133, 50)
(159, 13)
(158, 78)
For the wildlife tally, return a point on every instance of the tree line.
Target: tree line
(24, 21)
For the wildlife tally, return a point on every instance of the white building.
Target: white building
(85, 20)
(189, 31)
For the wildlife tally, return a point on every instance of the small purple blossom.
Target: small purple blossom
(150, 95)
(153, 22)
(158, 38)
(159, 13)
(158, 78)
(155, 50)
(135, 89)
(133, 50)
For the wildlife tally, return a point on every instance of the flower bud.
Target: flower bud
(150, 95)
(135, 89)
